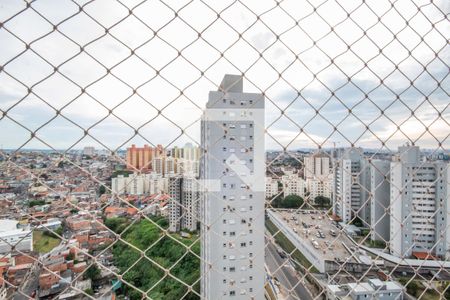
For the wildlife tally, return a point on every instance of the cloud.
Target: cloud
(152, 71)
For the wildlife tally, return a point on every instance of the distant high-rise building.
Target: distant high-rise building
(293, 184)
(271, 187)
(419, 205)
(188, 152)
(352, 186)
(319, 187)
(379, 203)
(188, 167)
(175, 203)
(158, 165)
(141, 158)
(317, 166)
(232, 171)
(89, 151)
(184, 203)
(139, 184)
(318, 175)
(170, 166)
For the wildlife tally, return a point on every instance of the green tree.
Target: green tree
(89, 291)
(166, 252)
(292, 201)
(36, 203)
(322, 201)
(357, 221)
(276, 201)
(93, 272)
(101, 190)
(116, 224)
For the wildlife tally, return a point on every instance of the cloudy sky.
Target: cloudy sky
(112, 73)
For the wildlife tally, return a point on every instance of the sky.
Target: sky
(110, 74)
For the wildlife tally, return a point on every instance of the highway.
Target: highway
(291, 287)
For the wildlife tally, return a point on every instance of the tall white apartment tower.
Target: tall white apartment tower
(419, 205)
(232, 212)
(352, 186)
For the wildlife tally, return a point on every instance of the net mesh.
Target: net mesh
(335, 75)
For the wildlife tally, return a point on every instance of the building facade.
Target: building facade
(232, 171)
(293, 184)
(373, 289)
(352, 186)
(419, 205)
(271, 188)
(139, 184)
(13, 237)
(379, 204)
(318, 175)
(140, 158)
(184, 203)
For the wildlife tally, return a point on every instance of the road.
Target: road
(286, 275)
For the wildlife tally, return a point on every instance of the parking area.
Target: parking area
(314, 233)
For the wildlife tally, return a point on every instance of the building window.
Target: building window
(243, 244)
(232, 269)
(232, 293)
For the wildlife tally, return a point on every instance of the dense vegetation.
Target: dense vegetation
(36, 203)
(290, 201)
(161, 249)
(322, 201)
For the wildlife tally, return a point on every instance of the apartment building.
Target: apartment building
(318, 175)
(139, 184)
(140, 158)
(317, 166)
(233, 171)
(188, 152)
(379, 203)
(271, 187)
(419, 205)
(293, 184)
(352, 186)
(184, 203)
